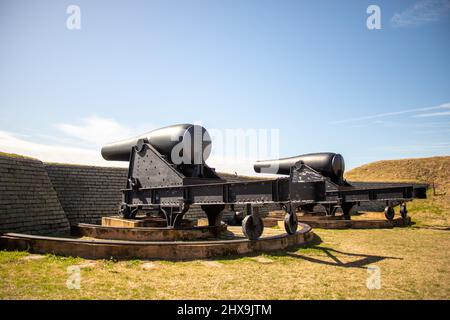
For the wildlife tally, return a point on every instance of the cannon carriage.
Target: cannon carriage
(168, 174)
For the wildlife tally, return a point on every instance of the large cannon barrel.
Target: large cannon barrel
(329, 164)
(172, 141)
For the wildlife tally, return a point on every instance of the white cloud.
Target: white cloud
(432, 114)
(13, 143)
(52, 153)
(92, 133)
(422, 12)
(418, 112)
(96, 131)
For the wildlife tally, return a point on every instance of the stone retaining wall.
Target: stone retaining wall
(28, 202)
(87, 193)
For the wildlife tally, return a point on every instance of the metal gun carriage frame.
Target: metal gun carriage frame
(155, 183)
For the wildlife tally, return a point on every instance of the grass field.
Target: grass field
(414, 263)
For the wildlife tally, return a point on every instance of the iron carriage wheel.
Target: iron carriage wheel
(252, 227)
(290, 219)
(389, 213)
(403, 211)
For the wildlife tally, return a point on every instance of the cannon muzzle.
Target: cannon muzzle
(329, 164)
(181, 141)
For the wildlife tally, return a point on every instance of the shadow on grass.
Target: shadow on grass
(314, 245)
(431, 227)
(331, 253)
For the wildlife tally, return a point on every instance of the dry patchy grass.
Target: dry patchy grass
(414, 265)
(414, 262)
(13, 155)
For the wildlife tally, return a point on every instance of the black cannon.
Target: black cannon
(340, 194)
(189, 137)
(168, 173)
(330, 165)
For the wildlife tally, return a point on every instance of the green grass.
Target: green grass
(432, 212)
(13, 155)
(11, 257)
(413, 261)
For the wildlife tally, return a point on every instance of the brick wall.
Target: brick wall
(87, 193)
(28, 202)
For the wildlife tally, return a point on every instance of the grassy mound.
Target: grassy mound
(435, 171)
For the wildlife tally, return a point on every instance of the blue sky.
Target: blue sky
(311, 69)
